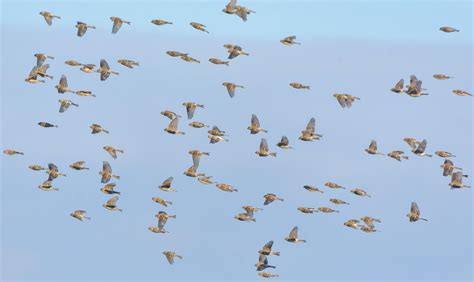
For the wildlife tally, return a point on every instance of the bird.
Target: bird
(373, 148)
(263, 149)
(240, 11)
(345, 100)
(284, 143)
(80, 215)
(157, 229)
(176, 53)
(107, 172)
(189, 59)
(192, 172)
(456, 180)
(441, 76)
(128, 63)
(105, 70)
(117, 24)
(163, 218)
(33, 76)
(414, 214)
(166, 185)
(368, 229)
(11, 152)
(254, 127)
(420, 150)
(270, 198)
(307, 210)
(53, 172)
(226, 187)
(338, 201)
(82, 28)
(215, 131)
(327, 210)
(65, 104)
(173, 127)
(448, 29)
(88, 68)
(333, 185)
(412, 142)
(112, 151)
(197, 124)
(293, 236)
(448, 167)
(263, 263)
(297, 85)
(352, 223)
(41, 58)
(398, 88)
(235, 52)
(48, 17)
(231, 88)
(206, 180)
(290, 40)
(72, 63)
(37, 167)
(360, 192)
(267, 250)
(312, 189)
(46, 124)
(397, 155)
(84, 93)
(265, 274)
(444, 154)
(199, 26)
(47, 186)
(97, 128)
(215, 139)
(244, 217)
(369, 221)
(160, 22)
(191, 108)
(111, 204)
(196, 155)
(62, 87)
(171, 255)
(79, 165)
(169, 114)
(414, 88)
(161, 201)
(309, 133)
(109, 189)
(216, 61)
(460, 92)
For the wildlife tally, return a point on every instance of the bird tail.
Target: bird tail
(301, 240)
(121, 151)
(169, 203)
(428, 155)
(172, 216)
(114, 72)
(273, 154)
(55, 189)
(87, 217)
(243, 53)
(205, 153)
(264, 130)
(20, 153)
(226, 63)
(126, 22)
(405, 157)
(116, 176)
(51, 57)
(106, 131)
(276, 253)
(423, 219)
(91, 26)
(306, 87)
(58, 17)
(180, 257)
(280, 199)
(466, 186)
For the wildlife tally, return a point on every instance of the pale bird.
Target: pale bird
(82, 28)
(397, 155)
(263, 263)
(80, 215)
(284, 143)
(106, 173)
(360, 192)
(290, 40)
(47, 186)
(199, 26)
(191, 108)
(41, 58)
(231, 88)
(456, 180)
(111, 204)
(173, 127)
(105, 70)
(48, 17)
(270, 198)
(65, 104)
(112, 151)
(254, 127)
(79, 165)
(109, 189)
(166, 185)
(267, 250)
(263, 149)
(293, 236)
(170, 256)
(117, 24)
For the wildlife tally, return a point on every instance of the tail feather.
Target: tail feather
(106, 131)
(116, 176)
(276, 253)
(273, 154)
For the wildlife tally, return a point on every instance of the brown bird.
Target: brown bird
(53, 172)
(290, 40)
(78, 165)
(107, 172)
(441, 76)
(191, 107)
(460, 92)
(369, 221)
(111, 204)
(309, 133)
(41, 58)
(12, 152)
(196, 154)
(456, 180)
(33, 76)
(112, 151)
(197, 124)
(327, 210)
(216, 131)
(48, 17)
(128, 63)
(293, 236)
(84, 93)
(80, 215)
(398, 88)
(117, 24)
(215, 139)
(73, 63)
(231, 88)
(263, 149)
(199, 26)
(82, 28)
(245, 217)
(373, 148)
(105, 70)
(345, 100)
(270, 198)
(206, 180)
(307, 210)
(254, 127)
(169, 114)
(88, 68)
(65, 104)
(160, 22)
(420, 150)
(448, 167)
(235, 52)
(216, 61)
(414, 214)
(267, 250)
(176, 54)
(161, 201)
(171, 255)
(192, 172)
(297, 85)
(333, 185)
(226, 187)
(284, 143)
(360, 192)
(338, 201)
(265, 274)
(263, 263)
(173, 127)
(312, 189)
(414, 88)
(62, 87)
(189, 59)
(448, 29)
(166, 185)
(352, 223)
(36, 167)
(96, 128)
(47, 186)
(109, 189)
(412, 142)
(240, 11)
(46, 124)
(444, 154)
(398, 155)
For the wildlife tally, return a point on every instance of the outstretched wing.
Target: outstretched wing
(117, 25)
(414, 208)
(190, 108)
(167, 182)
(63, 81)
(263, 145)
(268, 247)
(294, 233)
(310, 127)
(254, 121)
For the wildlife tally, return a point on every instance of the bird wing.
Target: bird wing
(112, 201)
(400, 84)
(117, 25)
(81, 29)
(167, 182)
(104, 64)
(373, 146)
(63, 81)
(106, 167)
(310, 127)
(456, 177)
(414, 208)
(230, 90)
(190, 108)
(52, 167)
(174, 124)
(40, 60)
(263, 145)
(254, 121)
(268, 247)
(48, 19)
(294, 233)
(284, 141)
(64, 106)
(196, 159)
(421, 148)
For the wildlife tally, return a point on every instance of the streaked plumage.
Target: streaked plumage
(397, 155)
(270, 198)
(12, 152)
(62, 87)
(333, 185)
(226, 187)
(373, 148)
(345, 100)
(216, 61)
(352, 223)
(105, 70)
(160, 22)
(441, 76)
(360, 192)
(191, 108)
(169, 114)
(444, 154)
(231, 88)
(197, 124)
(338, 201)
(298, 85)
(307, 210)
(53, 172)
(199, 26)
(176, 54)
(462, 93)
(161, 201)
(47, 186)
(97, 128)
(79, 165)
(84, 93)
(327, 210)
(448, 167)
(80, 215)
(263, 149)
(109, 189)
(107, 172)
(312, 189)
(309, 133)
(48, 17)
(192, 172)
(37, 167)
(456, 180)
(111, 204)
(267, 250)
(254, 127)
(173, 127)
(128, 63)
(171, 255)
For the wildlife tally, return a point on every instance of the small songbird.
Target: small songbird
(157, 229)
(231, 88)
(263, 263)
(163, 218)
(197, 124)
(33, 76)
(128, 63)
(254, 127)
(448, 29)
(161, 201)
(189, 59)
(369, 221)
(206, 180)
(196, 155)
(414, 214)
(448, 167)
(270, 198)
(360, 192)
(456, 180)
(47, 186)
(109, 189)
(338, 201)
(41, 58)
(352, 223)
(215, 139)
(65, 104)
(96, 128)
(397, 155)
(284, 143)
(235, 52)
(82, 28)
(226, 187)
(73, 63)
(199, 26)
(53, 172)
(37, 167)
(105, 70)
(312, 189)
(117, 24)
(173, 127)
(84, 93)
(290, 40)
(160, 22)
(80, 215)
(333, 185)
(293, 236)
(166, 185)
(111, 204)
(307, 210)
(373, 148)
(267, 250)
(112, 151)
(169, 114)
(460, 92)
(107, 173)
(327, 210)
(48, 17)
(171, 255)
(297, 85)
(12, 152)
(263, 149)
(176, 54)
(245, 217)
(216, 61)
(412, 142)
(414, 88)
(444, 154)
(441, 76)
(420, 150)
(79, 165)
(63, 86)
(398, 88)
(265, 274)
(367, 229)
(88, 68)
(46, 124)
(191, 107)
(345, 100)
(234, 9)
(216, 131)
(309, 133)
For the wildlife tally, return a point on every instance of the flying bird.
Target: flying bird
(398, 88)
(448, 29)
(290, 40)
(170, 256)
(111, 204)
(191, 107)
(41, 58)
(456, 180)
(62, 87)
(82, 28)
(267, 250)
(231, 88)
(270, 198)
(97, 128)
(309, 133)
(173, 127)
(284, 143)
(254, 127)
(112, 151)
(79, 165)
(263, 149)
(199, 26)
(373, 148)
(414, 214)
(48, 17)
(80, 215)
(107, 173)
(105, 70)
(166, 185)
(117, 24)
(293, 236)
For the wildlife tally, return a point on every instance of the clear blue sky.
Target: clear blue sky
(357, 47)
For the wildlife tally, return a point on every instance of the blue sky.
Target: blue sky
(357, 47)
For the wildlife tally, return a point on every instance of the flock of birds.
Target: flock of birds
(365, 224)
